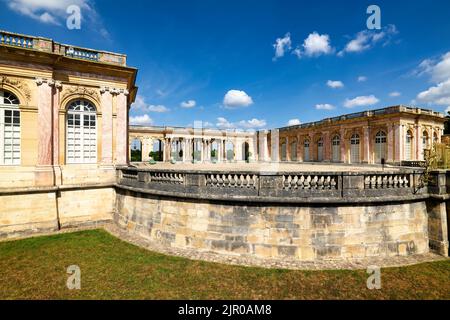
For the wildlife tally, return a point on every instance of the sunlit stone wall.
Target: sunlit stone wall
(303, 232)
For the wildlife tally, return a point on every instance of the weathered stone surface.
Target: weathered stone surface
(305, 233)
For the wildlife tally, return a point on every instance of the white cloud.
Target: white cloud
(366, 39)
(188, 104)
(157, 108)
(223, 123)
(362, 101)
(395, 94)
(141, 105)
(54, 12)
(335, 84)
(294, 122)
(252, 124)
(362, 78)
(447, 111)
(282, 45)
(325, 106)
(236, 99)
(141, 120)
(439, 94)
(314, 45)
(439, 70)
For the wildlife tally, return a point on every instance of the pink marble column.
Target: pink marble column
(122, 128)
(366, 153)
(390, 143)
(107, 126)
(300, 148)
(45, 123)
(326, 147)
(399, 143)
(56, 108)
(419, 146)
(343, 143)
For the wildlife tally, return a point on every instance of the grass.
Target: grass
(35, 268)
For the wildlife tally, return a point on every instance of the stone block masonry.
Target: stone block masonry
(305, 233)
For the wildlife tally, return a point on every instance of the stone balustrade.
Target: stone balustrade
(48, 45)
(305, 216)
(277, 186)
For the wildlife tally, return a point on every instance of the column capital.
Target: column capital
(40, 81)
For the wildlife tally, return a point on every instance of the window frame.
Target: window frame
(13, 107)
(90, 111)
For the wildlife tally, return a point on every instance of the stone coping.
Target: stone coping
(267, 200)
(43, 189)
(270, 169)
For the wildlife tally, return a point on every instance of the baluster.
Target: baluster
(379, 182)
(333, 183)
(302, 182)
(314, 182)
(385, 182)
(395, 181)
(367, 182)
(294, 182)
(308, 182)
(327, 183)
(320, 183)
(391, 182)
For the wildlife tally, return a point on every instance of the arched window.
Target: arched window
(9, 129)
(408, 145)
(283, 152)
(425, 144)
(157, 152)
(320, 150)
(435, 138)
(81, 132)
(215, 150)
(306, 157)
(380, 146)
(354, 149)
(136, 150)
(229, 149)
(294, 150)
(336, 148)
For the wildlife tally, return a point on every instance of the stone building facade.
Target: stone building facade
(395, 134)
(63, 128)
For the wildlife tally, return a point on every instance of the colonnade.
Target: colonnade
(197, 149)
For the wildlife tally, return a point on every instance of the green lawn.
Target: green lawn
(35, 268)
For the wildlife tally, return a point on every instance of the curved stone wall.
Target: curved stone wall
(306, 232)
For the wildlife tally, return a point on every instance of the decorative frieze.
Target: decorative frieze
(80, 91)
(19, 84)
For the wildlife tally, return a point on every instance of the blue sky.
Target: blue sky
(259, 64)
